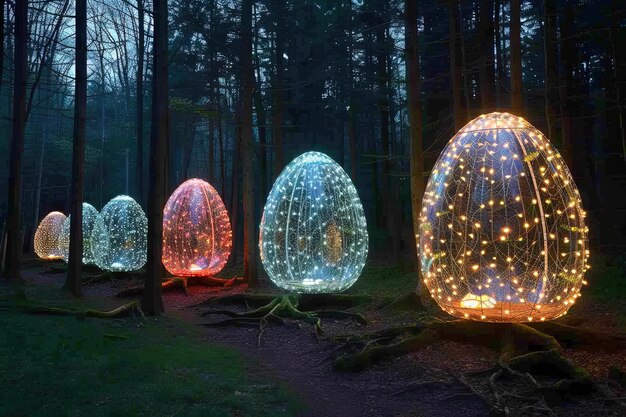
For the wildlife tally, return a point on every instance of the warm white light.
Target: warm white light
(533, 240)
(46, 237)
(120, 235)
(89, 218)
(313, 235)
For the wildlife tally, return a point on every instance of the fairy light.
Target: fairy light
(197, 237)
(89, 218)
(500, 182)
(47, 236)
(119, 236)
(313, 235)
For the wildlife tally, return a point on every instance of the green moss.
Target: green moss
(61, 366)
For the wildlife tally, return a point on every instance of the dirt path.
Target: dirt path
(420, 384)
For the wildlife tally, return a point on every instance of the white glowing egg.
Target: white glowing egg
(120, 235)
(89, 218)
(502, 227)
(313, 236)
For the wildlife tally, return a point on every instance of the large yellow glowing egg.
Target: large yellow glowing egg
(502, 228)
(197, 237)
(47, 236)
(313, 232)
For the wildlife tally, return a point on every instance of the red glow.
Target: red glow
(197, 237)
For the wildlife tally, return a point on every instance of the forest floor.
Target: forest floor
(420, 384)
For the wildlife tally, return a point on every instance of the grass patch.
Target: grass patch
(386, 281)
(61, 366)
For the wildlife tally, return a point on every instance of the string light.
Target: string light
(119, 236)
(89, 217)
(502, 228)
(47, 236)
(197, 237)
(313, 235)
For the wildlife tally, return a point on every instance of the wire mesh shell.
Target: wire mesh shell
(502, 228)
(119, 237)
(197, 237)
(46, 237)
(89, 218)
(313, 236)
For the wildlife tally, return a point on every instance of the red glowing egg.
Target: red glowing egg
(197, 237)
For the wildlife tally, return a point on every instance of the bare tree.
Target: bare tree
(139, 98)
(14, 247)
(75, 260)
(456, 67)
(250, 270)
(152, 301)
(516, 59)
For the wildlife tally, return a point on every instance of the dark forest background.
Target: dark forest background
(328, 76)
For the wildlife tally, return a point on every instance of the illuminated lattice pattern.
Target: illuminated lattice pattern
(119, 237)
(502, 233)
(89, 218)
(313, 232)
(197, 237)
(47, 236)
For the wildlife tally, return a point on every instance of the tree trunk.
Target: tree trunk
(500, 63)
(456, 79)
(234, 197)
(551, 73)
(139, 110)
(14, 249)
(415, 119)
(152, 302)
(250, 271)
(516, 59)
(277, 108)
(75, 259)
(617, 74)
(220, 136)
(486, 71)
(2, 5)
(568, 56)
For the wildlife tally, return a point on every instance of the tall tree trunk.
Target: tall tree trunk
(551, 72)
(14, 248)
(75, 259)
(456, 72)
(618, 74)
(500, 76)
(278, 107)
(352, 111)
(234, 197)
(2, 28)
(152, 302)
(568, 56)
(139, 110)
(250, 270)
(220, 136)
(516, 59)
(486, 71)
(416, 157)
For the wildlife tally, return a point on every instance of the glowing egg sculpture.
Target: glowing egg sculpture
(313, 235)
(89, 218)
(46, 240)
(197, 237)
(119, 238)
(502, 228)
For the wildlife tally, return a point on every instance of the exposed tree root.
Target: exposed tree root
(277, 310)
(305, 301)
(181, 283)
(526, 354)
(124, 310)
